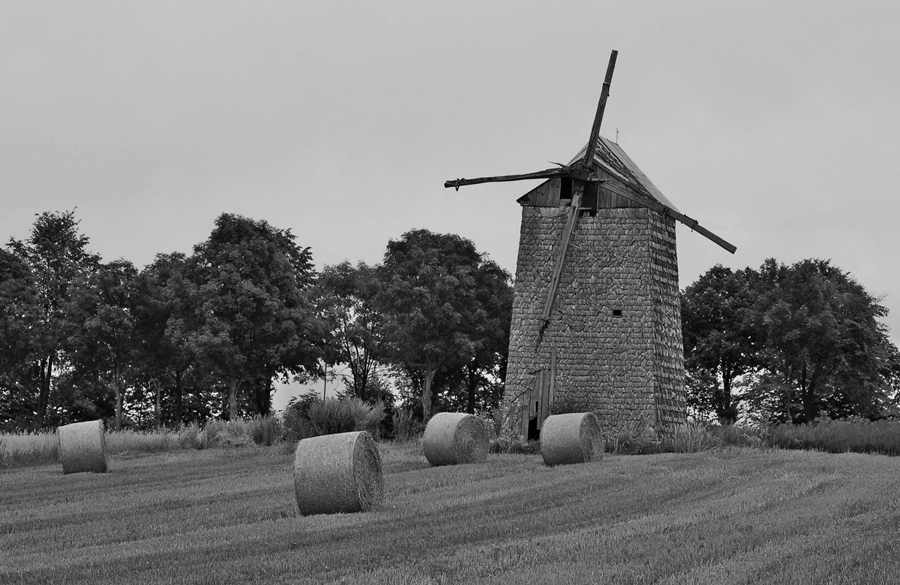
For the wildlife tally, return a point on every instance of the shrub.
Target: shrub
(690, 438)
(296, 426)
(739, 435)
(265, 430)
(406, 426)
(301, 404)
(231, 433)
(192, 437)
(632, 440)
(343, 416)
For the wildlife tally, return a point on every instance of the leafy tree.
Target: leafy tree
(164, 316)
(102, 325)
(490, 330)
(57, 254)
(477, 384)
(428, 297)
(346, 299)
(255, 319)
(804, 340)
(823, 340)
(719, 342)
(19, 315)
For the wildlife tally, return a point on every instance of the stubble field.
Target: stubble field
(229, 516)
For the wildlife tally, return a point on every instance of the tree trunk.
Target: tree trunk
(788, 393)
(810, 403)
(179, 401)
(264, 396)
(726, 411)
(157, 410)
(232, 399)
(117, 383)
(426, 394)
(363, 383)
(46, 367)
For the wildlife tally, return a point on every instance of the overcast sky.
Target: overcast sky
(775, 124)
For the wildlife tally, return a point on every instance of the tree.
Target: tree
(804, 340)
(19, 315)
(346, 299)
(57, 254)
(254, 316)
(823, 339)
(102, 325)
(428, 298)
(164, 315)
(490, 330)
(719, 342)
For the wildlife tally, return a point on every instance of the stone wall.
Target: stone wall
(668, 345)
(615, 326)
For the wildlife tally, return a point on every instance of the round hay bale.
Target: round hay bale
(571, 438)
(455, 437)
(82, 447)
(338, 473)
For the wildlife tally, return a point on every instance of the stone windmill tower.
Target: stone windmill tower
(596, 319)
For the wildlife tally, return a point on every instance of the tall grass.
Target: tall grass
(43, 448)
(687, 438)
(839, 436)
(333, 416)
(28, 449)
(858, 436)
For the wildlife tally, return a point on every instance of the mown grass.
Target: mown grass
(229, 516)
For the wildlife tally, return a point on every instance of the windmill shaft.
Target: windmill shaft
(694, 225)
(688, 221)
(545, 174)
(598, 117)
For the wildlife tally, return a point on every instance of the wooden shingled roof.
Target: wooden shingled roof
(611, 158)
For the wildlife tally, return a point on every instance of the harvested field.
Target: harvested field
(230, 516)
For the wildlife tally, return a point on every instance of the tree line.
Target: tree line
(787, 344)
(191, 337)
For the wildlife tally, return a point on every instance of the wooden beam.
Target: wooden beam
(659, 207)
(545, 174)
(588, 160)
(561, 258)
(694, 225)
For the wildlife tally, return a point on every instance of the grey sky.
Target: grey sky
(773, 123)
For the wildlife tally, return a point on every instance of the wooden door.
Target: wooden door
(539, 400)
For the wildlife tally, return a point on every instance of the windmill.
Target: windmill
(596, 316)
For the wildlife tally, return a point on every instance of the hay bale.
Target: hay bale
(82, 447)
(571, 438)
(338, 473)
(455, 437)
